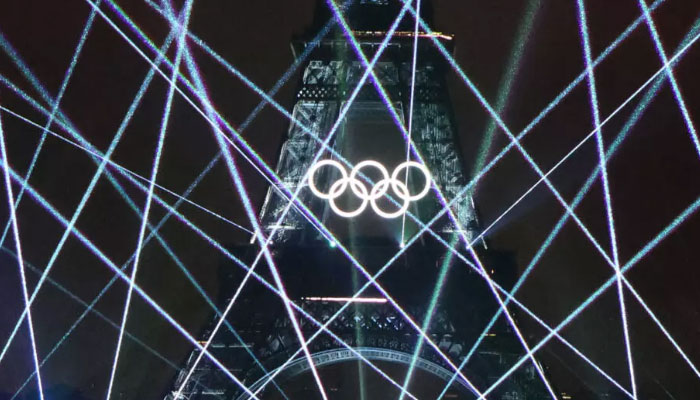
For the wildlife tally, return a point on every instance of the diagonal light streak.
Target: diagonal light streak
(427, 320)
(154, 173)
(179, 263)
(88, 308)
(647, 248)
(583, 25)
(20, 260)
(166, 248)
(584, 139)
(506, 83)
(631, 122)
(410, 116)
(669, 73)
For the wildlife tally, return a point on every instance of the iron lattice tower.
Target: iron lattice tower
(314, 268)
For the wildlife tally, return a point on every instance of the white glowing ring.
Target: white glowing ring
(379, 189)
(331, 194)
(363, 195)
(402, 194)
(385, 177)
(421, 168)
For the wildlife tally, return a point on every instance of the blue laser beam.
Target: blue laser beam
(444, 201)
(20, 261)
(410, 120)
(209, 240)
(506, 84)
(583, 27)
(427, 320)
(669, 73)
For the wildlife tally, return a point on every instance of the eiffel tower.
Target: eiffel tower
(367, 346)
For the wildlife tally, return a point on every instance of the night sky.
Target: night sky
(654, 176)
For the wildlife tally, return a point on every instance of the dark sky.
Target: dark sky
(654, 176)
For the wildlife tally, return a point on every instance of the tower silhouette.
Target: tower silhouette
(345, 115)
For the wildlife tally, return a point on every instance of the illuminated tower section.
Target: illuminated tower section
(370, 339)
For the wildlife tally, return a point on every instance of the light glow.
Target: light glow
(379, 189)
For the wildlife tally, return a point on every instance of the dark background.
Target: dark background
(653, 178)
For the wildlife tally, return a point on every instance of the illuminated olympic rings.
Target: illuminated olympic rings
(380, 188)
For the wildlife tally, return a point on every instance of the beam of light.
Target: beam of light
(427, 320)
(368, 71)
(149, 198)
(352, 97)
(201, 233)
(516, 142)
(631, 122)
(379, 300)
(20, 260)
(211, 164)
(633, 261)
(110, 264)
(410, 119)
(126, 19)
(506, 84)
(88, 308)
(669, 73)
(583, 26)
(64, 85)
(82, 144)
